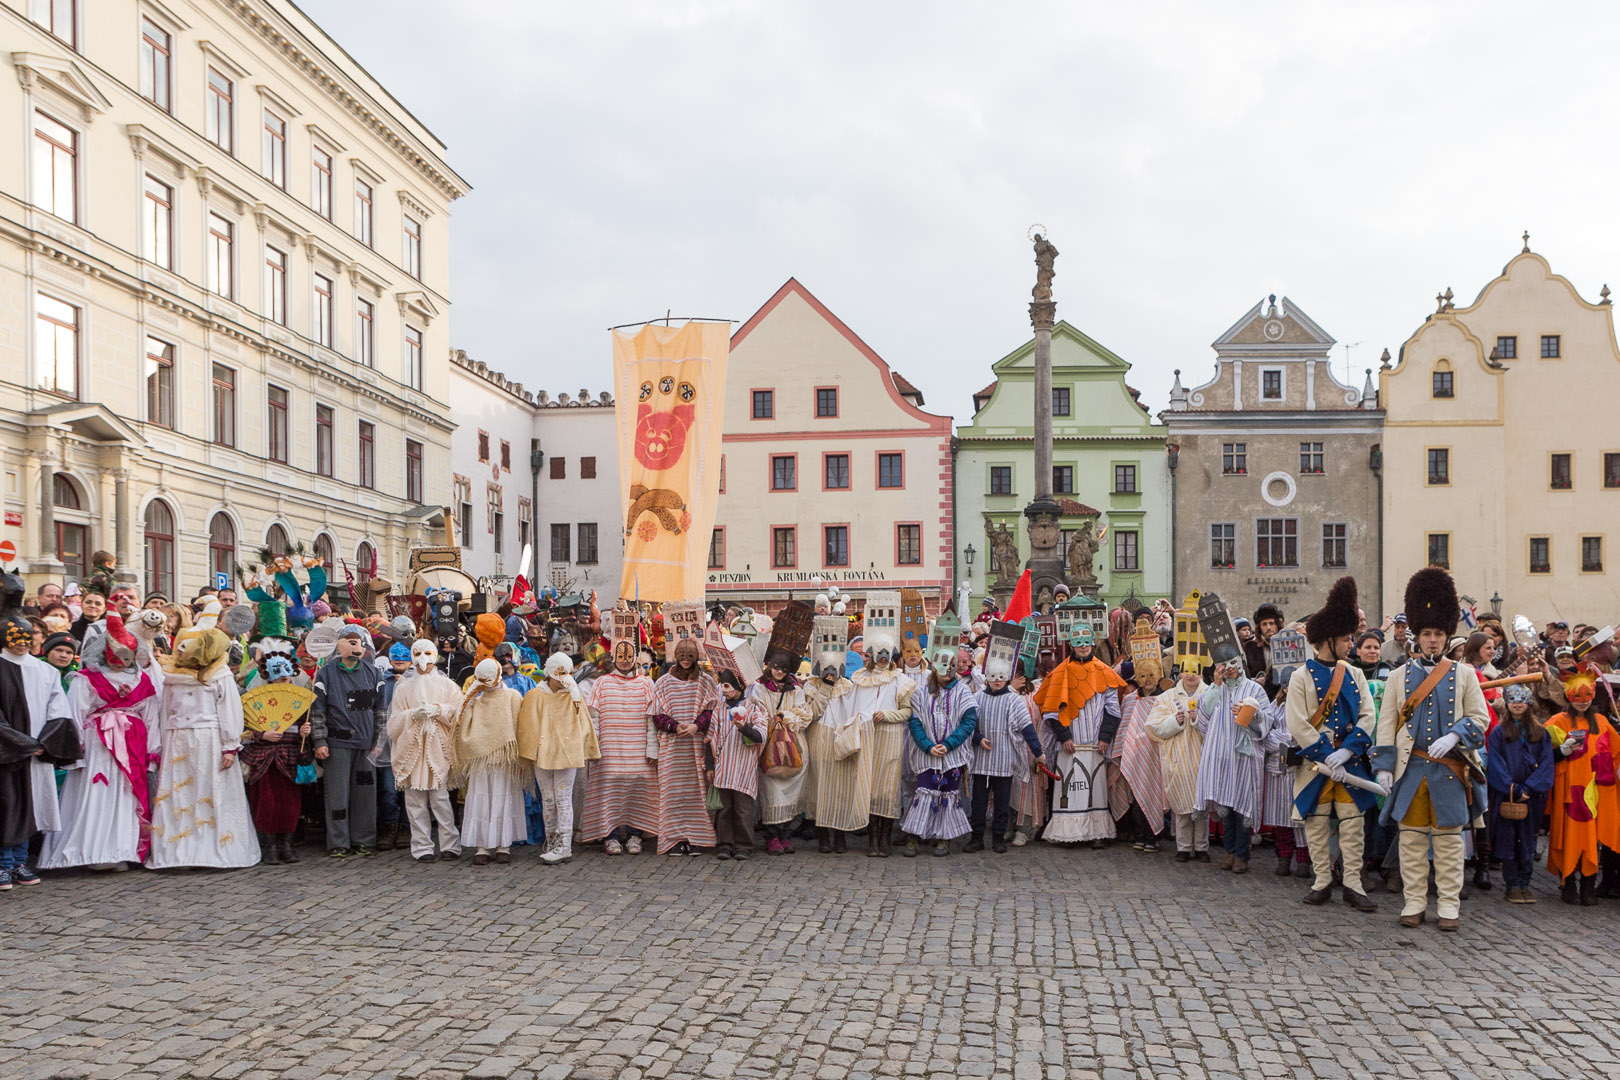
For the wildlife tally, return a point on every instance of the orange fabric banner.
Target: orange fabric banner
(669, 393)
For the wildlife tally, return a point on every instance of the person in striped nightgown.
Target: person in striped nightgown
(684, 702)
(942, 722)
(1004, 731)
(883, 694)
(1173, 727)
(1230, 770)
(838, 794)
(1031, 797)
(735, 739)
(621, 787)
(781, 799)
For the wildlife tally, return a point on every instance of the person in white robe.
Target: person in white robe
(487, 766)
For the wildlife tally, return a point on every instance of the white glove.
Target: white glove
(1444, 745)
(1337, 759)
(1335, 773)
(1386, 781)
(1571, 744)
(423, 713)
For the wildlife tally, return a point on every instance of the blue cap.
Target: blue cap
(400, 651)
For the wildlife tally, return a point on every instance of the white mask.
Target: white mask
(424, 655)
(487, 672)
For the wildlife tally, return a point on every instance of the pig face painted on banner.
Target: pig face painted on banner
(663, 418)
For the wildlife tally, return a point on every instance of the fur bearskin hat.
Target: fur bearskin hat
(1268, 611)
(1431, 602)
(1339, 614)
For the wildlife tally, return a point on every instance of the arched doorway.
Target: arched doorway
(221, 547)
(160, 549)
(72, 526)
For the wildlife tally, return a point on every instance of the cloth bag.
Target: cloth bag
(847, 741)
(781, 759)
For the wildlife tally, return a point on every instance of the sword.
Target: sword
(1350, 780)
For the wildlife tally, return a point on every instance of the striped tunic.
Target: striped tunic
(1172, 727)
(840, 793)
(780, 801)
(1230, 770)
(1032, 797)
(736, 762)
(621, 787)
(1003, 720)
(884, 742)
(1139, 761)
(682, 791)
(817, 696)
(1277, 800)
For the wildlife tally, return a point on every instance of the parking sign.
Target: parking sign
(222, 580)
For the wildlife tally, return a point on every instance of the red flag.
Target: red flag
(1019, 606)
(522, 593)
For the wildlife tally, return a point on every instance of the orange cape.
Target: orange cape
(1071, 684)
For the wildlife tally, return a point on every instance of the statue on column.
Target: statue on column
(1004, 549)
(1046, 254)
(1082, 550)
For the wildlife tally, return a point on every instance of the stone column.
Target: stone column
(121, 522)
(1045, 565)
(47, 507)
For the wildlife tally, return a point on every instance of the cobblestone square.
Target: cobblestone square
(1041, 963)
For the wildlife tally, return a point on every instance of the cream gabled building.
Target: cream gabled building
(224, 264)
(1501, 462)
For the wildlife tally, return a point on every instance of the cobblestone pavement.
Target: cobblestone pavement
(1041, 963)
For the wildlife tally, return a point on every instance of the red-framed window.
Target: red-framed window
(891, 469)
(784, 472)
(835, 544)
(908, 543)
(784, 547)
(835, 472)
(717, 548)
(826, 403)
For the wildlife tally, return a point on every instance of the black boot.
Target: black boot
(885, 833)
(1482, 876)
(837, 841)
(1589, 890)
(1569, 894)
(284, 849)
(824, 841)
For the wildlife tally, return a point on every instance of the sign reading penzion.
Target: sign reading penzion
(800, 576)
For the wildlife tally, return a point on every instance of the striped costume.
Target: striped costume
(1233, 762)
(780, 801)
(621, 787)
(682, 791)
(1032, 797)
(736, 761)
(884, 743)
(946, 717)
(841, 795)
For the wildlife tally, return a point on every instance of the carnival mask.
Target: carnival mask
(488, 672)
(424, 655)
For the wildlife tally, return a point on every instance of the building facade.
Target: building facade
(515, 450)
(1497, 468)
(831, 466)
(224, 257)
(1109, 474)
(1275, 470)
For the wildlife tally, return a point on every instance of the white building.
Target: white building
(224, 264)
(514, 449)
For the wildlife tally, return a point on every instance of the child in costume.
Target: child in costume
(1518, 769)
(734, 742)
(1585, 807)
(944, 714)
(488, 767)
(270, 761)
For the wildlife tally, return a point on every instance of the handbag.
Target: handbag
(781, 759)
(847, 741)
(306, 771)
(711, 801)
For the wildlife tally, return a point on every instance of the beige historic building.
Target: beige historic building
(1501, 463)
(224, 293)
(831, 467)
(1275, 469)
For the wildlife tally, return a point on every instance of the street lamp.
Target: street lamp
(968, 555)
(1496, 602)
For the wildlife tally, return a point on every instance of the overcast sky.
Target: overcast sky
(636, 157)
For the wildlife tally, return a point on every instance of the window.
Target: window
(159, 548)
(159, 382)
(221, 546)
(1439, 465)
(276, 423)
(461, 497)
(366, 465)
(1001, 480)
(413, 471)
(1310, 458)
(1334, 555)
(325, 552)
(891, 471)
(72, 542)
(413, 246)
(1563, 472)
(1507, 348)
(784, 547)
(56, 153)
(525, 520)
(413, 358)
(1276, 542)
(320, 309)
(323, 440)
(1060, 401)
(1125, 480)
(1540, 554)
(1271, 384)
(275, 285)
(277, 541)
(320, 182)
(827, 401)
(587, 542)
(57, 17)
(835, 545)
(1443, 386)
(56, 345)
(1591, 554)
(908, 545)
(587, 468)
(365, 333)
(220, 118)
(835, 472)
(1125, 551)
(224, 405)
(784, 473)
(764, 404)
(1549, 346)
(154, 64)
(1440, 550)
(559, 543)
(365, 558)
(717, 548)
(1234, 459)
(1223, 546)
(274, 150)
(1063, 479)
(559, 467)
(483, 451)
(157, 224)
(1611, 470)
(362, 212)
(221, 237)
(506, 456)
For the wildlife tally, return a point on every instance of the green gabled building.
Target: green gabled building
(1108, 464)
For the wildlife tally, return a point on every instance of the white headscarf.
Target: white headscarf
(561, 668)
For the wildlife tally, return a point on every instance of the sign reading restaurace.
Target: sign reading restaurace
(805, 577)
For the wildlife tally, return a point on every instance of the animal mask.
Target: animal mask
(424, 655)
